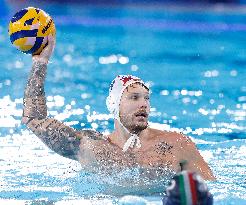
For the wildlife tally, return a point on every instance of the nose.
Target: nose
(144, 103)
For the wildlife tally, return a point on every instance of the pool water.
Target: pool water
(194, 61)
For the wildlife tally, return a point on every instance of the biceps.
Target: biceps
(57, 136)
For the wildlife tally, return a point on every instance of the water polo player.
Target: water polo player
(132, 143)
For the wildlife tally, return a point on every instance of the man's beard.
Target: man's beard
(131, 126)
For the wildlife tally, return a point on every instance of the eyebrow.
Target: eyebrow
(135, 93)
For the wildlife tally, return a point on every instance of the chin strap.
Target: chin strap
(132, 140)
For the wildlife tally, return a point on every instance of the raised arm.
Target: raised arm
(62, 139)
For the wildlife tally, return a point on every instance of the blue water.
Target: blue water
(194, 60)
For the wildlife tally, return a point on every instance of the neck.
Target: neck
(121, 135)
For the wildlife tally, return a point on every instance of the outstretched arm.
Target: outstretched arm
(62, 139)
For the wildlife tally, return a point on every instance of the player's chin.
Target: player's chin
(141, 125)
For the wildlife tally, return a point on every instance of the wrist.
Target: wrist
(40, 60)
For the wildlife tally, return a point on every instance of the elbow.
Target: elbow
(210, 177)
(25, 120)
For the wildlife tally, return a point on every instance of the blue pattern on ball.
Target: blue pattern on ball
(23, 34)
(19, 15)
(29, 21)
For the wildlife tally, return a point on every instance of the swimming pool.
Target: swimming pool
(195, 64)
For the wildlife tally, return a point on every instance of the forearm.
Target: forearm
(34, 96)
(58, 137)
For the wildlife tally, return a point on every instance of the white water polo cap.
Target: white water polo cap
(117, 87)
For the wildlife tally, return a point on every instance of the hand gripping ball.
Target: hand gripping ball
(29, 29)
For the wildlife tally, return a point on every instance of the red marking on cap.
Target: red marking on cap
(126, 79)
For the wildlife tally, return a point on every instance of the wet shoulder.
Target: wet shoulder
(89, 134)
(166, 143)
(168, 136)
(100, 151)
(92, 141)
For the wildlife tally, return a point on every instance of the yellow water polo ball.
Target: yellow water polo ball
(29, 30)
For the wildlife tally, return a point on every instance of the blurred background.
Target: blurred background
(191, 53)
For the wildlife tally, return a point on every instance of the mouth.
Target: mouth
(142, 114)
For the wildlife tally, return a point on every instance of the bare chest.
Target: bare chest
(105, 154)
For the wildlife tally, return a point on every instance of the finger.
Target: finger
(52, 41)
(50, 47)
